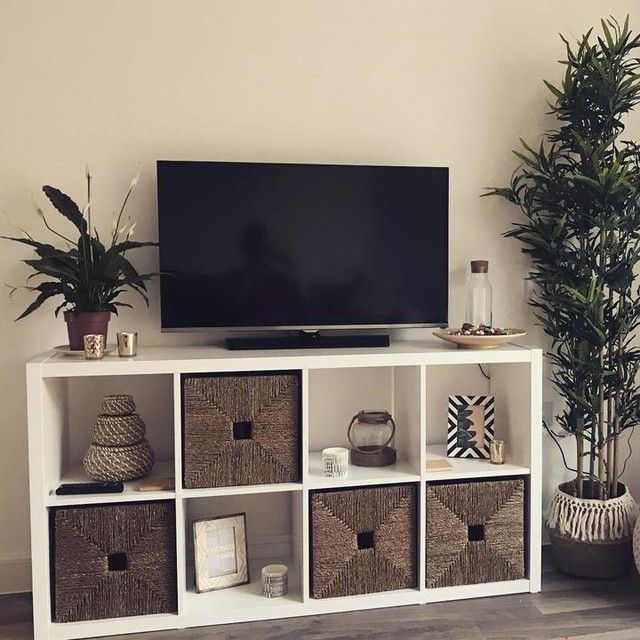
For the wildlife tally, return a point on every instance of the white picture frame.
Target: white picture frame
(220, 552)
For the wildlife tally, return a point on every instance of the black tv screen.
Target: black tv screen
(257, 245)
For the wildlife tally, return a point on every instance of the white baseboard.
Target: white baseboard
(15, 575)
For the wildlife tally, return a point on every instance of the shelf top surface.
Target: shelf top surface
(161, 469)
(185, 359)
(467, 468)
(359, 476)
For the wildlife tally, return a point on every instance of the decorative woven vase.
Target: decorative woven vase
(118, 464)
(118, 431)
(119, 451)
(592, 538)
(118, 404)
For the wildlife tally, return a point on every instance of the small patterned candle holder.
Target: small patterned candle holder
(335, 462)
(94, 346)
(497, 451)
(127, 344)
(275, 583)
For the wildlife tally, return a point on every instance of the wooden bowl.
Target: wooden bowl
(479, 342)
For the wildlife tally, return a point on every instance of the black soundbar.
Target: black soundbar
(304, 340)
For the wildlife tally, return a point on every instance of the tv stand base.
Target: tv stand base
(308, 340)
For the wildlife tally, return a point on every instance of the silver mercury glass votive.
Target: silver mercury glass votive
(127, 344)
(497, 451)
(94, 346)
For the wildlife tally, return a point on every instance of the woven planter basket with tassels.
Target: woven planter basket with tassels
(592, 538)
(589, 520)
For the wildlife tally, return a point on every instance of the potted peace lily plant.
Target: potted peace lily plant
(88, 274)
(579, 194)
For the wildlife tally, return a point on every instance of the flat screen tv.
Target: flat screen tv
(302, 246)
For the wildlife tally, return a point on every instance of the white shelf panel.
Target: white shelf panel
(113, 626)
(245, 601)
(412, 372)
(272, 609)
(212, 492)
(196, 359)
(359, 476)
(161, 469)
(467, 469)
(397, 598)
(463, 592)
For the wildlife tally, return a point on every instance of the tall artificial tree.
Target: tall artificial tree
(579, 193)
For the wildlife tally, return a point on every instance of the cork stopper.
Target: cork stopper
(479, 266)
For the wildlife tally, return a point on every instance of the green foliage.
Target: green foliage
(88, 275)
(580, 196)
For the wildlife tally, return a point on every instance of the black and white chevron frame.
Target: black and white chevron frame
(462, 436)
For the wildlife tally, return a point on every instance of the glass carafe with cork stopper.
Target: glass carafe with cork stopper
(479, 295)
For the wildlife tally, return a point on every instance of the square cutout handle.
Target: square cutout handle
(365, 540)
(117, 561)
(242, 430)
(476, 532)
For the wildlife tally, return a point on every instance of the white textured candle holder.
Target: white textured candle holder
(335, 462)
(275, 582)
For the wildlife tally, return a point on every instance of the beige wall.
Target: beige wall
(120, 82)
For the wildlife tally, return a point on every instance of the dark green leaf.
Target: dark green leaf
(67, 207)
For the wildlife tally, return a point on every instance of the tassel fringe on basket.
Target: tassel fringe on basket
(592, 520)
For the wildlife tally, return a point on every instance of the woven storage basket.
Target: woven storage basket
(114, 560)
(241, 429)
(118, 430)
(118, 405)
(475, 532)
(118, 464)
(363, 540)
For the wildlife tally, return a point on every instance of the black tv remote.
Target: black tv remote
(77, 488)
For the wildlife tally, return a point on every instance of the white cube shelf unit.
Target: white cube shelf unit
(410, 379)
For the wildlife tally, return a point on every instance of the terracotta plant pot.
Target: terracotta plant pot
(592, 538)
(83, 323)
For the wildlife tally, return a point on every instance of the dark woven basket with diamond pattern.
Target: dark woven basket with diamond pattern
(475, 532)
(363, 540)
(114, 560)
(241, 429)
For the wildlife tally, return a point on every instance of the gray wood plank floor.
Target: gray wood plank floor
(567, 609)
